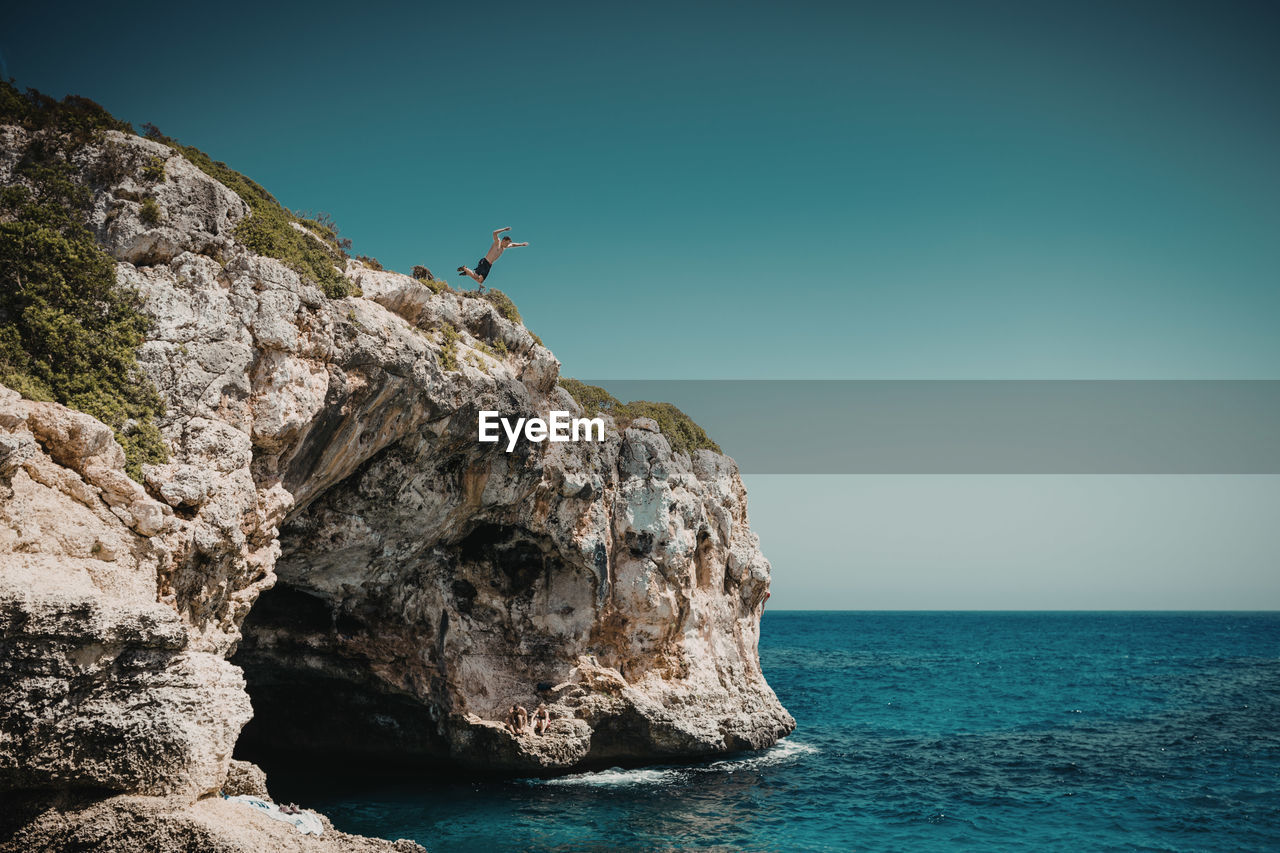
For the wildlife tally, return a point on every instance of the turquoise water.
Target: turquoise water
(923, 732)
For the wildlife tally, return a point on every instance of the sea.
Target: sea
(923, 731)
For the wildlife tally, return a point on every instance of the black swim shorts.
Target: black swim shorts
(483, 267)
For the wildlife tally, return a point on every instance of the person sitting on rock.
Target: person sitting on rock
(500, 245)
(541, 719)
(517, 719)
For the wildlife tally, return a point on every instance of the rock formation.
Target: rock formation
(328, 523)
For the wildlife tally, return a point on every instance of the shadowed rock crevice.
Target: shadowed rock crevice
(314, 693)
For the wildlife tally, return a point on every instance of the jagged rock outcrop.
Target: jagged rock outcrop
(444, 580)
(135, 824)
(101, 685)
(328, 517)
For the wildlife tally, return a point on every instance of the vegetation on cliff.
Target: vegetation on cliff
(68, 332)
(423, 275)
(269, 230)
(682, 433)
(448, 347)
(496, 298)
(503, 303)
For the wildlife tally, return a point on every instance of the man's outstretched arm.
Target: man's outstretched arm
(513, 245)
(499, 231)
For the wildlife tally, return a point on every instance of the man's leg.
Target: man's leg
(468, 271)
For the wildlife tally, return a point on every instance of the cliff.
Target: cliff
(326, 553)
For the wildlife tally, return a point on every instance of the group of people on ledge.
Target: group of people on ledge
(519, 722)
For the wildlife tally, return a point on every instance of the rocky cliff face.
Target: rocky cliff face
(328, 521)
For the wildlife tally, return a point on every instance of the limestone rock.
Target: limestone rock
(99, 693)
(197, 214)
(245, 777)
(327, 510)
(444, 580)
(131, 824)
(100, 686)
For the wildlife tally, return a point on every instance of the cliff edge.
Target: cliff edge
(326, 558)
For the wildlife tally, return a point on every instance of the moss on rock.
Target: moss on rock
(683, 434)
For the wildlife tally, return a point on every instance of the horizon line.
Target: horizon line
(1016, 610)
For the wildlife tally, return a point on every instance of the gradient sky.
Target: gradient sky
(795, 190)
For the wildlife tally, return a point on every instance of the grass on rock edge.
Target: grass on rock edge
(684, 435)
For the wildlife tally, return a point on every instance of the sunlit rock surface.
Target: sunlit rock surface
(328, 522)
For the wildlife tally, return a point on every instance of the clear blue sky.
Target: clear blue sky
(782, 190)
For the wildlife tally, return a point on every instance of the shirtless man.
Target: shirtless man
(517, 719)
(500, 245)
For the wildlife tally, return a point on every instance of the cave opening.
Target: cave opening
(364, 678)
(317, 709)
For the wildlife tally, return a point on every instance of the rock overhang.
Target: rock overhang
(322, 447)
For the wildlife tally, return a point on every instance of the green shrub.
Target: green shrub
(498, 349)
(80, 118)
(449, 347)
(371, 263)
(150, 211)
(316, 228)
(68, 331)
(269, 230)
(153, 170)
(682, 433)
(503, 303)
(592, 398)
(321, 223)
(113, 165)
(325, 228)
(142, 443)
(423, 275)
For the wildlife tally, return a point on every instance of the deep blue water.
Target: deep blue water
(930, 731)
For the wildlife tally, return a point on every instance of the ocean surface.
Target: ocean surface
(924, 732)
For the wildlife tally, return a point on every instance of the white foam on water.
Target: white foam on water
(618, 777)
(784, 750)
